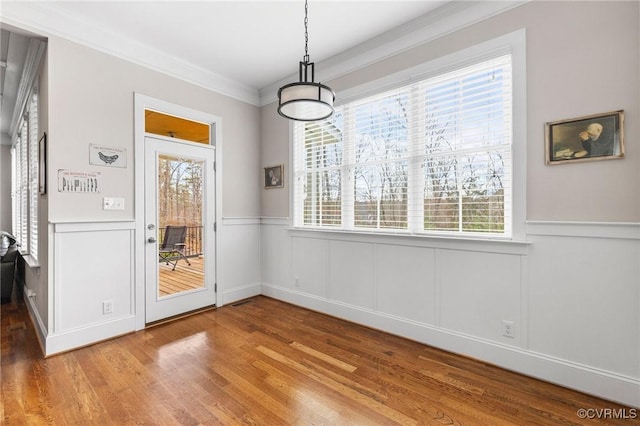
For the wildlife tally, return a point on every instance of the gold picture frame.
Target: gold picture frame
(588, 138)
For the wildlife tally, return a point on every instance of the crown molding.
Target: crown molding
(444, 20)
(45, 20)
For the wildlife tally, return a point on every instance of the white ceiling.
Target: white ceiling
(255, 43)
(244, 49)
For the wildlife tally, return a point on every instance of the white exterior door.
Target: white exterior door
(179, 227)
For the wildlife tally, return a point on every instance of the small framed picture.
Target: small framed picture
(42, 165)
(593, 137)
(274, 176)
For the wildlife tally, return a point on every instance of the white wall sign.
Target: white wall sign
(100, 155)
(78, 181)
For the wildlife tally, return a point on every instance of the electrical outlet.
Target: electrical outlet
(508, 329)
(107, 307)
(297, 281)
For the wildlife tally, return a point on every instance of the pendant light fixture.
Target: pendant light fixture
(306, 100)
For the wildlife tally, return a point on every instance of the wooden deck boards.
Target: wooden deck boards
(185, 277)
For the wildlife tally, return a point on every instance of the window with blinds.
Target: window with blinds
(25, 169)
(33, 165)
(434, 156)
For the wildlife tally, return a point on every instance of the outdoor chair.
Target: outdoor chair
(173, 246)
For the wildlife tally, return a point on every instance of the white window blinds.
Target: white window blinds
(24, 186)
(433, 156)
(33, 176)
(25, 190)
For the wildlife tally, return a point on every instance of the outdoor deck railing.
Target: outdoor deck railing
(193, 240)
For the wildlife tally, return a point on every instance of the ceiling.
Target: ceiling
(253, 42)
(244, 49)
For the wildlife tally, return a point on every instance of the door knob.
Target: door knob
(151, 227)
(151, 240)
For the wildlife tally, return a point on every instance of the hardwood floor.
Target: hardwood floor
(265, 362)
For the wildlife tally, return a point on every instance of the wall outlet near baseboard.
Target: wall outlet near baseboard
(107, 307)
(508, 329)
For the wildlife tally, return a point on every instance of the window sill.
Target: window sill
(472, 243)
(31, 261)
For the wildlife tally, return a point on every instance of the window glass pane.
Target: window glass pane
(382, 128)
(322, 155)
(323, 201)
(381, 195)
(441, 195)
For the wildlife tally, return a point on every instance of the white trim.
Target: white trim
(279, 221)
(239, 293)
(89, 335)
(445, 20)
(615, 230)
(45, 19)
(30, 261)
(235, 221)
(142, 102)
(620, 388)
(36, 320)
(116, 225)
(465, 244)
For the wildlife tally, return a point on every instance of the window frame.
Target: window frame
(25, 175)
(514, 44)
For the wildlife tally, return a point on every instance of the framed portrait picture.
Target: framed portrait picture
(593, 137)
(42, 165)
(274, 176)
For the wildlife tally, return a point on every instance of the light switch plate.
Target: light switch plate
(110, 203)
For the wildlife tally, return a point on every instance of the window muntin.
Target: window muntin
(433, 156)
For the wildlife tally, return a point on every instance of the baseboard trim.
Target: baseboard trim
(239, 293)
(36, 320)
(89, 335)
(603, 384)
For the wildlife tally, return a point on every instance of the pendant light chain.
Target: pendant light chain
(306, 32)
(306, 100)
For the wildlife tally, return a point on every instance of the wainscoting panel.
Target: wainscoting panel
(310, 265)
(411, 293)
(570, 290)
(584, 301)
(478, 291)
(351, 273)
(239, 260)
(275, 247)
(93, 264)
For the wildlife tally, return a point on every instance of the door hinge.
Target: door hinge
(215, 287)
(215, 226)
(214, 166)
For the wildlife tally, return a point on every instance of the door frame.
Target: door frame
(142, 103)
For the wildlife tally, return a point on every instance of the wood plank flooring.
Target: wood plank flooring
(185, 277)
(265, 362)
